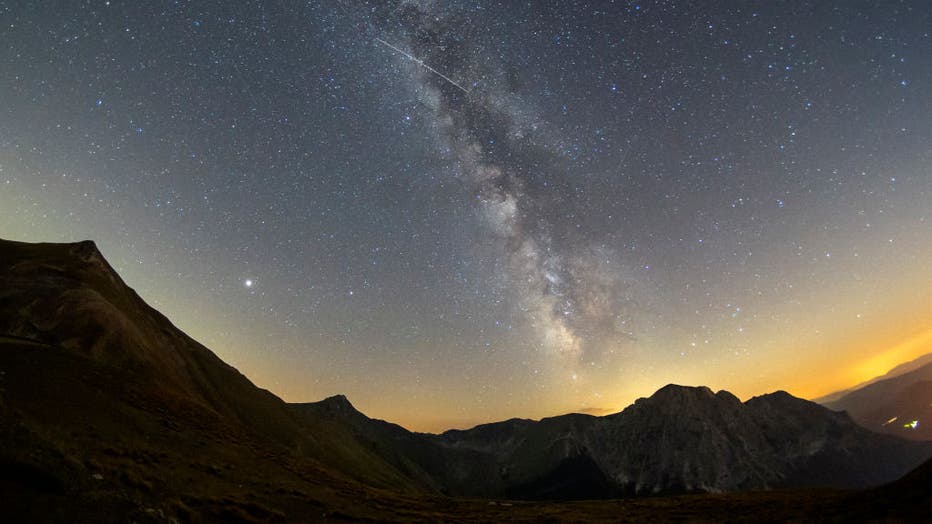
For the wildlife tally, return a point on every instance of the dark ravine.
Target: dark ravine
(110, 413)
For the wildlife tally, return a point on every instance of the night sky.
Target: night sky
(458, 212)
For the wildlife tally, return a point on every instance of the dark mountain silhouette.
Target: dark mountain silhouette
(900, 405)
(898, 370)
(108, 413)
(104, 404)
(680, 440)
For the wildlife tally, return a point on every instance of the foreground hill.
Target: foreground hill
(108, 413)
(66, 303)
(105, 403)
(900, 405)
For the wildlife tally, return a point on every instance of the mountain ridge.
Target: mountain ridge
(100, 393)
(899, 405)
(524, 451)
(896, 371)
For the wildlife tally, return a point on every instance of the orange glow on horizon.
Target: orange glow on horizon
(873, 366)
(881, 363)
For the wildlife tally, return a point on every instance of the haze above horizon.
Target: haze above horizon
(505, 211)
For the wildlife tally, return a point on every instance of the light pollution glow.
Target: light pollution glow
(829, 348)
(618, 202)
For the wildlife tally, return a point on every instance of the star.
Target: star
(580, 195)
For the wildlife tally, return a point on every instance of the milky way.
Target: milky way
(456, 212)
(569, 288)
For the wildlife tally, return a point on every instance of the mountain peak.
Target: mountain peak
(677, 398)
(81, 261)
(779, 396)
(337, 404)
(780, 393)
(85, 248)
(338, 401)
(677, 391)
(87, 251)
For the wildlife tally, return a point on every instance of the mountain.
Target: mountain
(689, 439)
(679, 440)
(69, 301)
(901, 405)
(106, 408)
(109, 413)
(900, 369)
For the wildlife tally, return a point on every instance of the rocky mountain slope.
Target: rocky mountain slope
(106, 406)
(680, 440)
(110, 413)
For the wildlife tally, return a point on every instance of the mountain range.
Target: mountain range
(900, 369)
(898, 403)
(109, 413)
(680, 440)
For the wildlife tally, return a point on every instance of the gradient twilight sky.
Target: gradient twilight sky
(458, 212)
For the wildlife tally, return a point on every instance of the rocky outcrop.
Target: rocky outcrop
(83, 354)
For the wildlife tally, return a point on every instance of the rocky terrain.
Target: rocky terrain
(108, 413)
(680, 440)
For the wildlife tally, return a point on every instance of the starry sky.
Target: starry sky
(459, 212)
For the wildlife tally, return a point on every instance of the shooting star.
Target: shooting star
(422, 64)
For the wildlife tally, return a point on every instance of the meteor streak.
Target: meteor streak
(422, 64)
